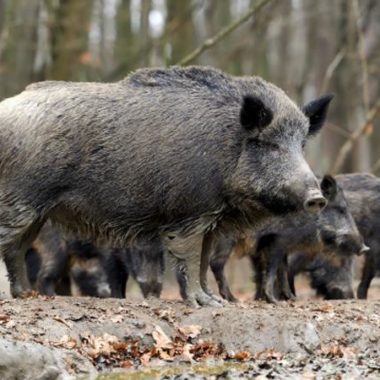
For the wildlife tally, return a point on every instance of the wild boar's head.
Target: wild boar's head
(272, 164)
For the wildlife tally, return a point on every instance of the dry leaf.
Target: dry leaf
(145, 358)
(190, 331)
(165, 356)
(4, 318)
(67, 342)
(165, 314)
(269, 354)
(338, 351)
(117, 319)
(161, 339)
(187, 355)
(242, 355)
(102, 345)
(325, 307)
(126, 364)
(30, 294)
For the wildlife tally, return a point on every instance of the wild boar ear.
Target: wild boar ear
(254, 113)
(316, 111)
(329, 187)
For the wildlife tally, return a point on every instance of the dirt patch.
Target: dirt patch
(77, 336)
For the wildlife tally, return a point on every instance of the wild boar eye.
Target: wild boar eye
(263, 143)
(340, 210)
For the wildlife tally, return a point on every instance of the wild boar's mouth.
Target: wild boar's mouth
(279, 205)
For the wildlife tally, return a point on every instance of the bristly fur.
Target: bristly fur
(363, 196)
(162, 151)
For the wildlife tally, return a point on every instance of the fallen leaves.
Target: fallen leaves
(66, 342)
(165, 314)
(161, 339)
(105, 345)
(324, 307)
(110, 351)
(269, 354)
(205, 350)
(336, 350)
(190, 331)
(4, 318)
(242, 356)
(126, 364)
(30, 294)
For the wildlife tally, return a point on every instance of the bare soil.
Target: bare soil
(68, 338)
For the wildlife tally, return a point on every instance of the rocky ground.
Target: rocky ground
(68, 338)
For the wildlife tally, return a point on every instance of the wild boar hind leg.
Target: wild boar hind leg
(189, 249)
(19, 226)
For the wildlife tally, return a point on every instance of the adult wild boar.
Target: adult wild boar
(172, 153)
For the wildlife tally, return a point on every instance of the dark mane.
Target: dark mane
(182, 77)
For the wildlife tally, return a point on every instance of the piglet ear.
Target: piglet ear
(316, 111)
(329, 187)
(254, 113)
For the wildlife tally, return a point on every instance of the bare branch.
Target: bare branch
(331, 69)
(338, 130)
(210, 42)
(348, 145)
(362, 55)
(376, 166)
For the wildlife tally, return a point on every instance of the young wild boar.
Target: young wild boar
(330, 276)
(144, 261)
(72, 267)
(332, 233)
(363, 195)
(165, 153)
(66, 267)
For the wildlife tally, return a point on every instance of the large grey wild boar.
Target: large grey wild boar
(169, 153)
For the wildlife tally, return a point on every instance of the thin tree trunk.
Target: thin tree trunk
(18, 53)
(70, 39)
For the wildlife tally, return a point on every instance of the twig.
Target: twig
(59, 319)
(376, 166)
(331, 69)
(348, 145)
(338, 130)
(210, 42)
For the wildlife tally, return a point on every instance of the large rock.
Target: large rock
(25, 360)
